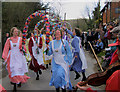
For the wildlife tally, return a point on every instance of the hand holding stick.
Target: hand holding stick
(95, 56)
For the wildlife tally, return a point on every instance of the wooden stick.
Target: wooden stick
(95, 56)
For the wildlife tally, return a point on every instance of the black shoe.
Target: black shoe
(77, 76)
(57, 89)
(47, 66)
(19, 85)
(73, 87)
(14, 88)
(63, 90)
(40, 72)
(14, 91)
(84, 78)
(71, 69)
(37, 78)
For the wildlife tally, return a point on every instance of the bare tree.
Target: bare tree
(89, 20)
(56, 9)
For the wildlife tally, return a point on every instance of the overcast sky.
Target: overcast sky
(73, 8)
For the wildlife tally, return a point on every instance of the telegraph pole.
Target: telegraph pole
(64, 16)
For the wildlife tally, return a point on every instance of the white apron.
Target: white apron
(59, 59)
(18, 64)
(38, 57)
(82, 55)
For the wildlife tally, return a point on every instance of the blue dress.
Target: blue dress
(58, 72)
(77, 63)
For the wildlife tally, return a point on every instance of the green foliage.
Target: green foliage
(16, 13)
(79, 23)
(102, 53)
(97, 17)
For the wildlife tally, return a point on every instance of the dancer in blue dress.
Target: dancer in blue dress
(62, 58)
(79, 61)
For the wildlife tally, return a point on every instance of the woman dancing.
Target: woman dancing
(62, 58)
(16, 61)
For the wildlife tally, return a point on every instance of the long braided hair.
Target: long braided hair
(62, 40)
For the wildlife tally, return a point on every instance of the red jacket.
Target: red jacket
(114, 57)
(109, 35)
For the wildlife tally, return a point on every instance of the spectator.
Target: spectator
(90, 38)
(86, 42)
(82, 42)
(114, 33)
(4, 40)
(98, 47)
(109, 35)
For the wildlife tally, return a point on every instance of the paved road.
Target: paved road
(43, 83)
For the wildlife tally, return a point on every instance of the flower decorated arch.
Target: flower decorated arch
(41, 14)
(51, 20)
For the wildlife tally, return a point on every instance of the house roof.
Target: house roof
(106, 5)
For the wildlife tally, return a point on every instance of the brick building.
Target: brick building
(111, 11)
